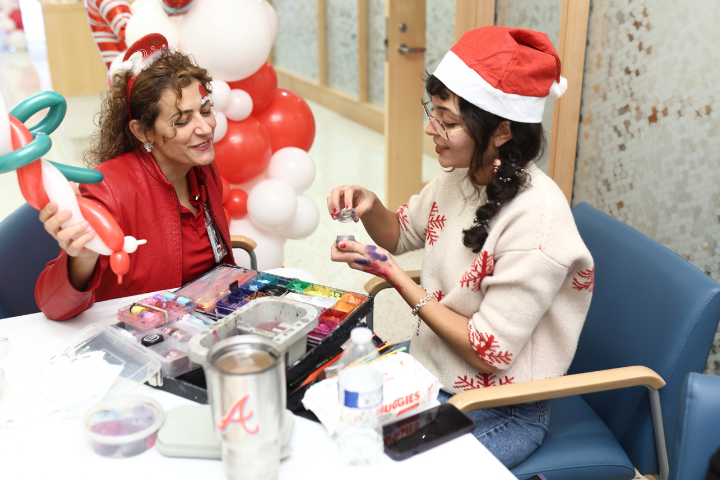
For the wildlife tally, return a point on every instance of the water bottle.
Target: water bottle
(360, 396)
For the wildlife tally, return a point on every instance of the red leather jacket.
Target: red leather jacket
(144, 203)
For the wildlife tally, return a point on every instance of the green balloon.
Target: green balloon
(40, 101)
(25, 155)
(79, 175)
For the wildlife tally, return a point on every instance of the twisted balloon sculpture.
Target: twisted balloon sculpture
(42, 181)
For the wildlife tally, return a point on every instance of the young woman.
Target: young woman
(506, 279)
(155, 149)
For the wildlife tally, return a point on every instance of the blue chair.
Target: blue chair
(652, 320)
(25, 249)
(697, 433)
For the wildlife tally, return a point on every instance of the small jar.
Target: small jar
(347, 215)
(344, 238)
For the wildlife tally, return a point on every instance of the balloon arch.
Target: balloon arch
(263, 132)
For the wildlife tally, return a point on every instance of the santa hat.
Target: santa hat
(505, 71)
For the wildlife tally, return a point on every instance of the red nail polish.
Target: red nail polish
(347, 206)
(342, 245)
(335, 210)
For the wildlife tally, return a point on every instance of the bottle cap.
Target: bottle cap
(361, 335)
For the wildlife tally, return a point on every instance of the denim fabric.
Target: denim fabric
(511, 433)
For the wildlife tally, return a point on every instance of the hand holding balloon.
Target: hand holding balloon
(71, 239)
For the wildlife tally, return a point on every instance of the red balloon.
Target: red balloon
(16, 16)
(236, 205)
(103, 223)
(225, 190)
(260, 86)
(120, 263)
(289, 121)
(29, 176)
(244, 152)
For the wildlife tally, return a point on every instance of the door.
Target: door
(404, 88)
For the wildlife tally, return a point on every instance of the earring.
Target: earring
(496, 163)
(148, 146)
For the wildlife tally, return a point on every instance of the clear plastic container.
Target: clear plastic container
(156, 310)
(360, 389)
(123, 426)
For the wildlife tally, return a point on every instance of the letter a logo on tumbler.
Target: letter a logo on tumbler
(246, 385)
(236, 414)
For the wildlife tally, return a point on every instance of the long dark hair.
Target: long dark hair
(527, 144)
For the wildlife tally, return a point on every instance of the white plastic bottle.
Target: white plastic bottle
(360, 396)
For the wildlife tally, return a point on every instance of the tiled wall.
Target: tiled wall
(542, 16)
(648, 151)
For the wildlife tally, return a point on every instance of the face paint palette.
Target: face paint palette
(156, 310)
(310, 321)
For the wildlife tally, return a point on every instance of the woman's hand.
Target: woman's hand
(71, 239)
(368, 258)
(350, 196)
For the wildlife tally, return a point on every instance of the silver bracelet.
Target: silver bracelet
(420, 304)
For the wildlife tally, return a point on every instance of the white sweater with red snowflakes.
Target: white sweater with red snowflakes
(526, 293)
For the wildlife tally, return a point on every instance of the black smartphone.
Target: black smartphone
(425, 430)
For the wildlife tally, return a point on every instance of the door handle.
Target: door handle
(405, 50)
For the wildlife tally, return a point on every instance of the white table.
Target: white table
(58, 449)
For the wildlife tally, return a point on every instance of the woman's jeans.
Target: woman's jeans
(511, 433)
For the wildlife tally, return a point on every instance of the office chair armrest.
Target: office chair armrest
(566, 386)
(241, 241)
(377, 284)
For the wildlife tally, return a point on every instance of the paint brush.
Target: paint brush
(361, 360)
(401, 349)
(310, 378)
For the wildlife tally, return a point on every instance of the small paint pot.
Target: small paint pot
(347, 215)
(344, 238)
(123, 426)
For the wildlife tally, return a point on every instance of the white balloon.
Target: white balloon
(6, 23)
(220, 127)
(271, 204)
(139, 5)
(250, 184)
(220, 94)
(231, 38)
(293, 166)
(59, 191)
(305, 221)
(270, 11)
(269, 251)
(240, 106)
(151, 19)
(5, 136)
(15, 41)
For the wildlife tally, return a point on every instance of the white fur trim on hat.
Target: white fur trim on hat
(468, 84)
(557, 89)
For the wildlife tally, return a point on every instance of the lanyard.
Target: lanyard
(218, 248)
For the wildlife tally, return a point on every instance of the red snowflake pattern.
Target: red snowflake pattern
(435, 221)
(402, 216)
(481, 380)
(480, 268)
(586, 280)
(487, 347)
(438, 295)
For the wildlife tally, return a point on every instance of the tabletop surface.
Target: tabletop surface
(57, 448)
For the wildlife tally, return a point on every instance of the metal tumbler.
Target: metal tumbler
(246, 385)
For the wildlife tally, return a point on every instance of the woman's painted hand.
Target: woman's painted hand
(71, 239)
(368, 258)
(350, 196)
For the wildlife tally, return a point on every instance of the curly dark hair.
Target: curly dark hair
(171, 71)
(527, 144)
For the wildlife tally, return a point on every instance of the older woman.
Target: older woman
(155, 150)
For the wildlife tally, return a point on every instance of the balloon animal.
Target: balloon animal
(42, 181)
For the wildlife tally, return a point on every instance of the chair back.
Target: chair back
(650, 307)
(25, 248)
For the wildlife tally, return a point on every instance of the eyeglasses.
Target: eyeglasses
(437, 124)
